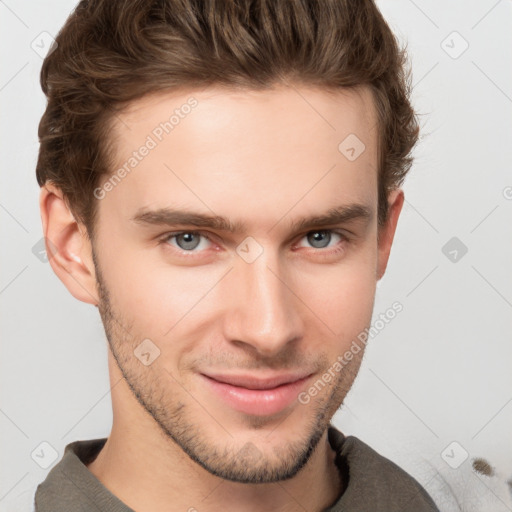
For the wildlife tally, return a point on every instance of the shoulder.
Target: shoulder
(69, 485)
(375, 481)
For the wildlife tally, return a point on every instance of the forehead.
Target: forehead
(216, 107)
(218, 149)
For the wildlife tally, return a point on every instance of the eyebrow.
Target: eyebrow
(173, 217)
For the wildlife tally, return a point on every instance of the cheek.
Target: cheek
(341, 298)
(156, 296)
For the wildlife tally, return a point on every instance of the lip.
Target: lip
(254, 395)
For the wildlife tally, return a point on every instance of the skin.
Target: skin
(263, 158)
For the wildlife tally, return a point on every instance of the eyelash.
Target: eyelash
(191, 254)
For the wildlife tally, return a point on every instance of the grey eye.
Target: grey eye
(319, 239)
(188, 241)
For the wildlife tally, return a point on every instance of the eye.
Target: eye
(187, 241)
(196, 242)
(321, 239)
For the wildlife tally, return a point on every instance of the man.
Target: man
(222, 180)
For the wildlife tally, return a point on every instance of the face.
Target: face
(222, 299)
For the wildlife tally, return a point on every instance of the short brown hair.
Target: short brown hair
(111, 52)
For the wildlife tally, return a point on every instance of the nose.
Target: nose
(264, 312)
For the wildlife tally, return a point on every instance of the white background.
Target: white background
(439, 373)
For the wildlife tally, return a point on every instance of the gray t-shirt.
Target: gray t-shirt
(372, 482)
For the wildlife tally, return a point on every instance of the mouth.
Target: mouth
(254, 395)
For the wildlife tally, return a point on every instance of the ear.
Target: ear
(67, 245)
(387, 231)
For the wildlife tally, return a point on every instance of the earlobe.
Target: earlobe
(68, 246)
(387, 232)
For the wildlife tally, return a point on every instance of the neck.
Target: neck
(147, 471)
(145, 480)
(148, 474)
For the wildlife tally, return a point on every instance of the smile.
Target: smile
(251, 395)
